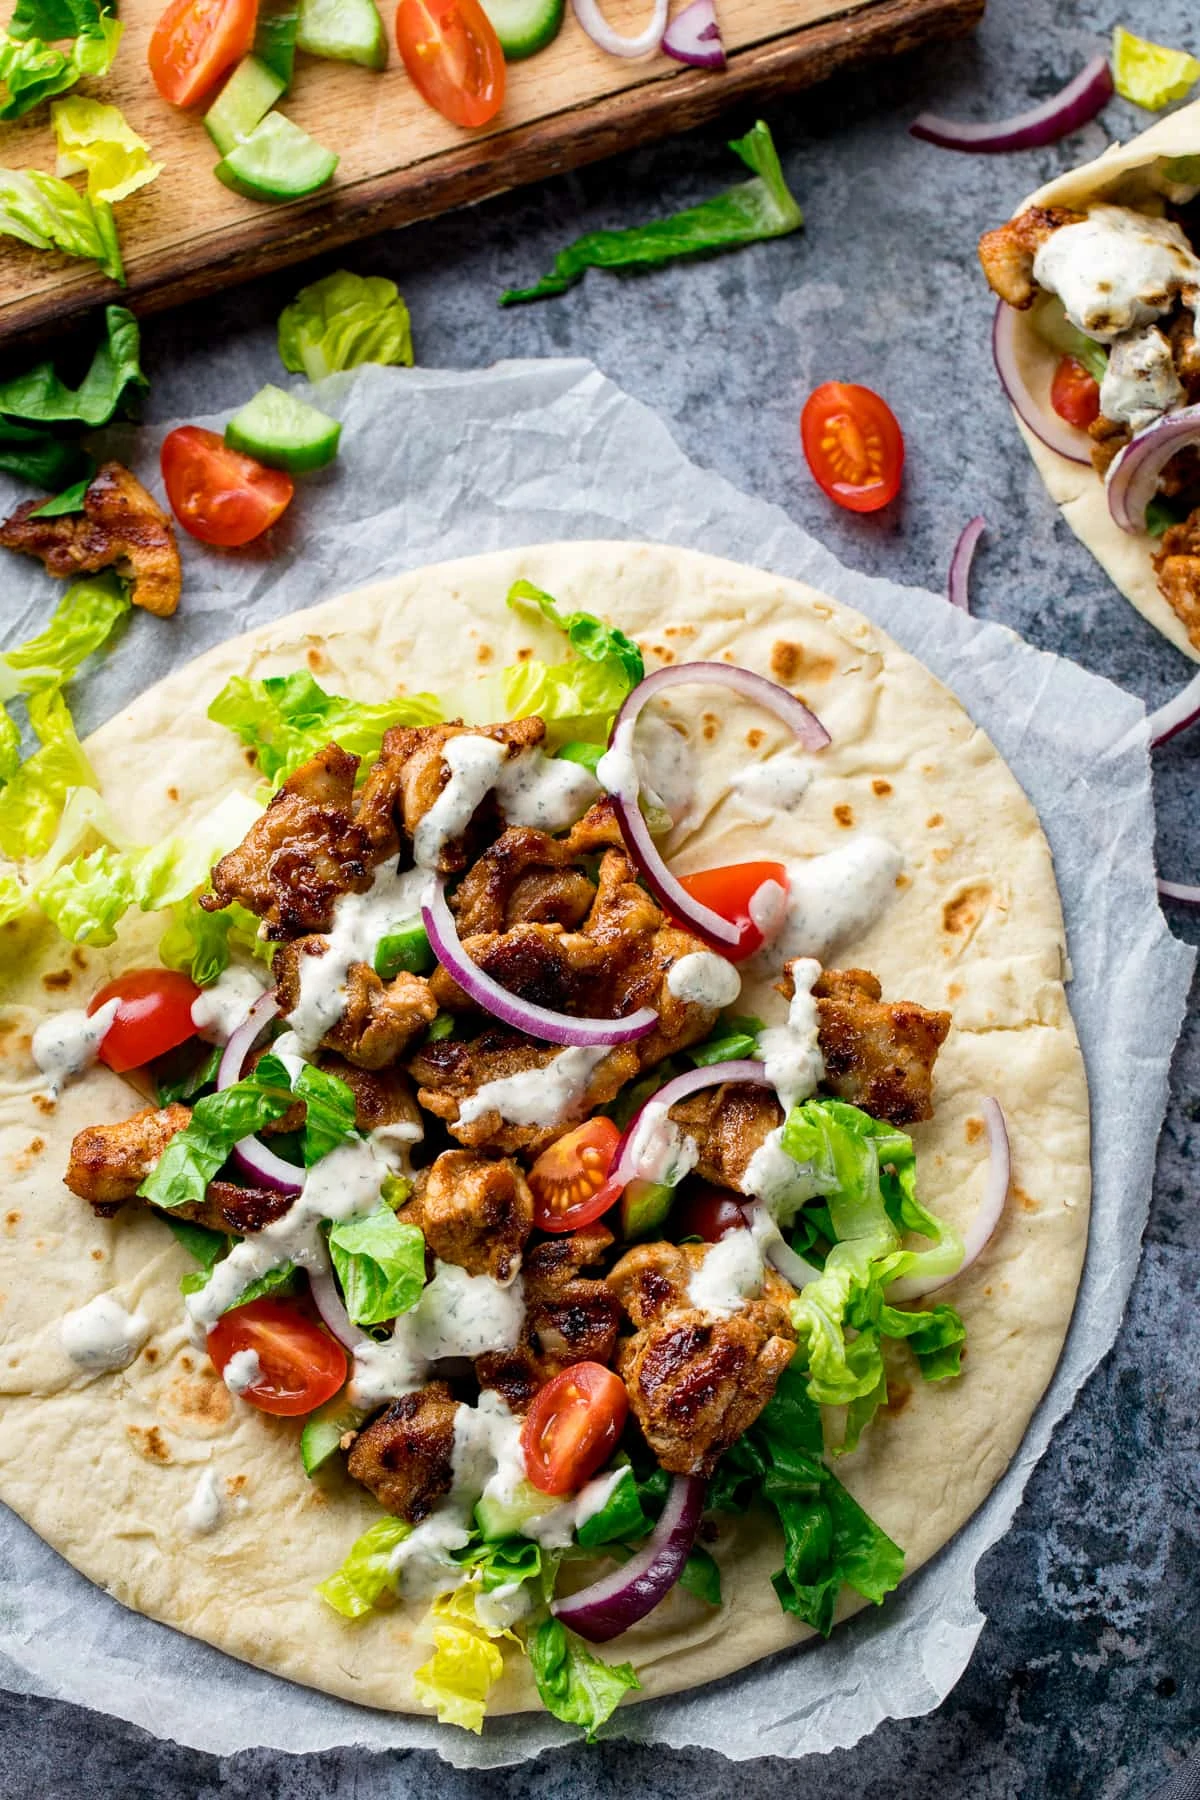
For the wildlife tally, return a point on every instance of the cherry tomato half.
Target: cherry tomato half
(453, 58)
(194, 43)
(729, 891)
(154, 1014)
(853, 445)
(302, 1366)
(573, 1426)
(1074, 394)
(707, 1212)
(570, 1182)
(217, 494)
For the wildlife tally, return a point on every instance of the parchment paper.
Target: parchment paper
(436, 465)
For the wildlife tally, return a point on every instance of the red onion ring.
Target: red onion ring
(667, 889)
(1177, 890)
(602, 34)
(522, 1015)
(1175, 715)
(960, 563)
(618, 1600)
(328, 1303)
(1045, 123)
(1133, 478)
(987, 1214)
(250, 1154)
(695, 37)
(1065, 440)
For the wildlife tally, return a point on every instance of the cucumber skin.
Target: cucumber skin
(298, 459)
(517, 45)
(323, 1432)
(372, 55)
(214, 120)
(252, 188)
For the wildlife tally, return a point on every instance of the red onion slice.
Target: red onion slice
(522, 1015)
(328, 1303)
(1045, 123)
(987, 1215)
(695, 37)
(243, 1040)
(1177, 890)
(1175, 715)
(1133, 478)
(1037, 413)
(957, 590)
(250, 1154)
(667, 889)
(602, 34)
(617, 1601)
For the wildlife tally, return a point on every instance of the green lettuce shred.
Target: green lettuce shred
(33, 68)
(342, 321)
(366, 1576)
(285, 719)
(219, 1121)
(574, 1685)
(49, 214)
(380, 1263)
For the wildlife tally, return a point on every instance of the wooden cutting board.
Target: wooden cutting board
(186, 235)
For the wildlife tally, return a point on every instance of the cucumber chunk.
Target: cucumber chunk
(277, 161)
(407, 947)
(275, 42)
(285, 433)
(324, 1431)
(242, 103)
(524, 26)
(343, 31)
(643, 1208)
(498, 1519)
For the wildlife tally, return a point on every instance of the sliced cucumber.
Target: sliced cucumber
(246, 98)
(275, 42)
(277, 161)
(407, 947)
(498, 1519)
(644, 1206)
(525, 26)
(324, 1431)
(285, 433)
(343, 31)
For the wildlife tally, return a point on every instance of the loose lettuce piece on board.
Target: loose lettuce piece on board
(342, 321)
(49, 214)
(97, 141)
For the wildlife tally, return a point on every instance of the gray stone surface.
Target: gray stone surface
(1084, 1679)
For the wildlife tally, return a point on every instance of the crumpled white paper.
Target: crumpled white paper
(436, 465)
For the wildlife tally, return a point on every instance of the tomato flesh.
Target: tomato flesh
(708, 1212)
(1074, 394)
(570, 1181)
(195, 42)
(154, 1014)
(729, 891)
(573, 1426)
(217, 494)
(302, 1366)
(853, 445)
(453, 58)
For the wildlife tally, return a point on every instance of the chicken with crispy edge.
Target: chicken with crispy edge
(405, 1456)
(121, 526)
(528, 877)
(695, 1381)
(379, 1019)
(474, 1210)
(410, 772)
(1008, 252)
(569, 1317)
(879, 1055)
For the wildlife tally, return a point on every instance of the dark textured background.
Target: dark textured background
(1084, 1680)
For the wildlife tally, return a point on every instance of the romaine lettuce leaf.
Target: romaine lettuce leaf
(40, 396)
(285, 719)
(201, 942)
(38, 457)
(1149, 74)
(380, 1263)
(206, 1245)
(573, 1684)
(97, 141)
(745, 214)
(459, 1676)
(735, 1038)
(50, 214)
(366, 1575)
(281, 1280)
(328, 1111)
(82, 623)
(69, 501)
(218, 1122)
(508, 1561)
(33, 69)
(588, 636)
(342, 321)
(32, 800)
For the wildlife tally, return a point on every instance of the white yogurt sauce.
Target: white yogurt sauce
(539, 790)
(217, 1011)
(474, 765)
(659, 1150)
(617, 771)
(242, 1371)
(542, 1096)
(457, 1315)
(393, 1144)
(1117, 270)
(555, 1529)
(359, 922)
(659, 768)
(704, 979)
(831, 900)
(777, 785)
(731, 1274)
(102, 1336)
(779, 1181)
(531, 788)
(1140, 383)
(69, 1042)
(791, 1053)
(202, 1514)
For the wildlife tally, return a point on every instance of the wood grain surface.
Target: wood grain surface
(186, 235)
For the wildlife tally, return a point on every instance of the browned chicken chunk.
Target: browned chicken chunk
(878, 1055)
(1007, 253)
(379, 1019)
(121, 526)
(301, 854)
(475, 1210)
(405, 1456)
(239, 1210)
(729, 1123)
(526, 877)
(1177, 565)
(410, 773)
(108, 1163)
(569, 1318)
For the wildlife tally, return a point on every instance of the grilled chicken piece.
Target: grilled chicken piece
(729, 1123)
(569, 1318)
(301, 854)
(475, 1210)
(1007, 253)
(379, 1019)
(121, 526)
(108, 1163)
(1177, 565)
(878, 1055)
(227, 1207)
(410, 773)
(695, 1382)
(526, 877)
(1185, 351)
(405, 1456)
(1109, 437)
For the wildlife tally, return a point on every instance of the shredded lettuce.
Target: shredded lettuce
(82, 623)
(33, 70)
(588, 636)
(329, 1111)
(97, 141)
(573, 1684)
(380, 1263)
(201, 942)
(39, 396)
(1151, 75)
(342, 321)
(459, 1676)
(219, 1121)
(366, 1576)
(286, 719)
(746, 214)
(281, 1280)
(38, 457)
(32, 801)
(49, 214)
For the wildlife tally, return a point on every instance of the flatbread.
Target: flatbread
(103, 1467)
(1123, 176)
